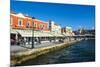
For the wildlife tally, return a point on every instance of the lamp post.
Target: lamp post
(33, 35)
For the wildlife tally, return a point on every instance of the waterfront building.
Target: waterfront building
(20, 21)
(83, 31)
(67, 31)
(53, 27)
(25, 28)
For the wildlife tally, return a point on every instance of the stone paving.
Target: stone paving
(17, 48)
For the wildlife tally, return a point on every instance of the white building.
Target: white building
(55, 28)
(67, 31)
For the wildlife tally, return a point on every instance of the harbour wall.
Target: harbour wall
(19, 57)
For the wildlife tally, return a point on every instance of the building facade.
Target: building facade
(67, 31)
(54, 27)
(25, 28)
(20, 21)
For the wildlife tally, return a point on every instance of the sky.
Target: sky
(72, 15)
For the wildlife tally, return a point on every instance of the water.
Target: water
(83, 51)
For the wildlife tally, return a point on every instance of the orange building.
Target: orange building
(20, 21)
(22, 26)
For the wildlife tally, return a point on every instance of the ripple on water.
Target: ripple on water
(79, 52)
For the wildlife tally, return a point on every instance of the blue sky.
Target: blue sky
(64, 14)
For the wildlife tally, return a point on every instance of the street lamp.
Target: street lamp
(33, 35)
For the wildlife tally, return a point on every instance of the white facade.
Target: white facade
(69, 31)
(54, 28)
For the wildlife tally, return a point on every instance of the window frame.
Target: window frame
(20, 23)
(28, 24)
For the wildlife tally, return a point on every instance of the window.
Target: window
(43, 26)
(40, 26)
(35, 25)
(28, 25)
(20, 22)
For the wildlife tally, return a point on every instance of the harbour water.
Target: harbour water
(83, 51)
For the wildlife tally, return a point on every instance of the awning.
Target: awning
(28, 33)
